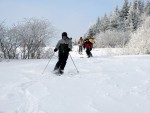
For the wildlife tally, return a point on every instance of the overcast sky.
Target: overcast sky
(71, 16)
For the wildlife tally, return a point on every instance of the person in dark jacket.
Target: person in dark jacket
(88, 45)
(64, 46)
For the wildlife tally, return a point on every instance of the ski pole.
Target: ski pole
(48, 63)
(74, 64)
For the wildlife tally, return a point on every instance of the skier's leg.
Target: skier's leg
(60, 59)
(88, 52)
(63, 64)
(81, 49)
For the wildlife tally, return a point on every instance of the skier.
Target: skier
(88, 45)
(64, 46)
(80, 42)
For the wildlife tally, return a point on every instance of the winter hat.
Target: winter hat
(64, 34)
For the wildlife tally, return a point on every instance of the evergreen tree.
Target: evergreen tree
(140, 7)
(114, 20)
(128, 19)
(105, 23)
(98, 25)
(91, 32)
(125, 10)
(136, 15)
(147, 8)
(123, 16)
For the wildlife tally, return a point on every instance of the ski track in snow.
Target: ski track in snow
(105, 84)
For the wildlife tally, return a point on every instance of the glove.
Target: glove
(55, 49)
(69, 49)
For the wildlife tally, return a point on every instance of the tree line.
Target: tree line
(115, 29)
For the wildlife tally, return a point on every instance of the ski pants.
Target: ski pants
(80, 49)
(62, 60)
(88, 52)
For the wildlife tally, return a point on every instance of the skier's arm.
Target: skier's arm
(70, 45)
(57, 46)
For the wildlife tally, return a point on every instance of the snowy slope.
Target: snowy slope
(105, 84)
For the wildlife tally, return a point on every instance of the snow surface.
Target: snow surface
(105, 84)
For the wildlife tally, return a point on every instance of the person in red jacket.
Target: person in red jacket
(88, 45)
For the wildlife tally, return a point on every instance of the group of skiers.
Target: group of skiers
(64, 46)
(86, 44)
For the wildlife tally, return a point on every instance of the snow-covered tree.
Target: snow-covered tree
(140, 40)
(131, 18)
(123, 16)
(140, 7)
(3, 33)
(105, 23)
(12, 42)
(91, 31)
(29, 37)
(114, 20)
(147, 8)
(98, 25)
(112, 39)
(35, 34)
(125, 10)
(126, 20)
